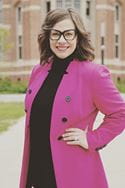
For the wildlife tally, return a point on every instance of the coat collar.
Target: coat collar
(73, 63)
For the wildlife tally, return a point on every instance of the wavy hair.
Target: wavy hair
(84, 49)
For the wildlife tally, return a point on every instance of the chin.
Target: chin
(62, 56)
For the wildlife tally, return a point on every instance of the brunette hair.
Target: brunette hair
(84, 49)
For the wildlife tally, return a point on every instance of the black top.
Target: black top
(40, 171)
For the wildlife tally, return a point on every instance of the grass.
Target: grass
(8, 86)
(9, 114)
(121, 86)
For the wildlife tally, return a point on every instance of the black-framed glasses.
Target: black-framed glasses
(67, 34)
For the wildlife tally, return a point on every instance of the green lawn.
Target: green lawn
(9, 114)
(7, 86)
(121, 86)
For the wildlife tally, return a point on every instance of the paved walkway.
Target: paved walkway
(113, 157)
(11, 148)
(12, 97)
(17, 97)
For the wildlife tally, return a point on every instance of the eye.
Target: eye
(68, 33)
(55, 33)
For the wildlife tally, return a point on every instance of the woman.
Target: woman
(65, 93)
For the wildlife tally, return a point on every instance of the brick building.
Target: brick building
(105, 19)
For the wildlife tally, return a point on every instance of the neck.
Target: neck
(68, 58)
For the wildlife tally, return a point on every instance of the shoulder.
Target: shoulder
(38, 67)
(35, 71)
(94, 69)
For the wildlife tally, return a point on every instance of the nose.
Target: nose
(62, 39)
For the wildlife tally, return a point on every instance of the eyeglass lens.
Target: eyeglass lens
(68, 34)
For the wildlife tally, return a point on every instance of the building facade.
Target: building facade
(105, 19)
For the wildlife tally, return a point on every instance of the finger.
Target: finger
(69, 138)
(76, 142)
(73, 129)
(71, 134)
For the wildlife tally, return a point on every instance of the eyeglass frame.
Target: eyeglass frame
(62, 33)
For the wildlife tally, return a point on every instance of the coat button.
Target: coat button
(65, 72)
(68, 98)
(29, 91)
(25, 110)
(64, 119)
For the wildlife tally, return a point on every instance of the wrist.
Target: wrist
(85, 142)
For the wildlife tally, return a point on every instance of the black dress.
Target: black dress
(40, 170)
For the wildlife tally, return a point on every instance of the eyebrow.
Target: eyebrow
(64, 30)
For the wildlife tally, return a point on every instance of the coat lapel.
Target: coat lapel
(62, 93)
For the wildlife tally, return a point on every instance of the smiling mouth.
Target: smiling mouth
(60, 48)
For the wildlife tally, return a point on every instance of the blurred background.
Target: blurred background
(21, 20)
(20, 23)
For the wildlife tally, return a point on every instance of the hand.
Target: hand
(76, 136)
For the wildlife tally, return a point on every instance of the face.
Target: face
(63, 38)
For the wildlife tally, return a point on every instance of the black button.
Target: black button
(25, 110)
(29, 91)
(68, 98)
(65, 72)
(64, 119)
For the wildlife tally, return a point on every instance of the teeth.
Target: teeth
(62, 48)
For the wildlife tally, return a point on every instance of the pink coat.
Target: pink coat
(85, 90)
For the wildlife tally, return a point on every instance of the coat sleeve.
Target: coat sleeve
(108, 100)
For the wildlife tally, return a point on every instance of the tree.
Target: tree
(5, 45)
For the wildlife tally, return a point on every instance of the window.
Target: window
(117, 31)
(77, 4)
(117, 12)
(19, 14)
(20, 47)
(68, 4)
(102, 49)
(116, 51)
(20, 52)
(20, 40)
(116, 46)
(19, 31)
(102, 57)
(48, 6)
(102, 40)
(59, 3)
(116, 38)
(88, 8)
